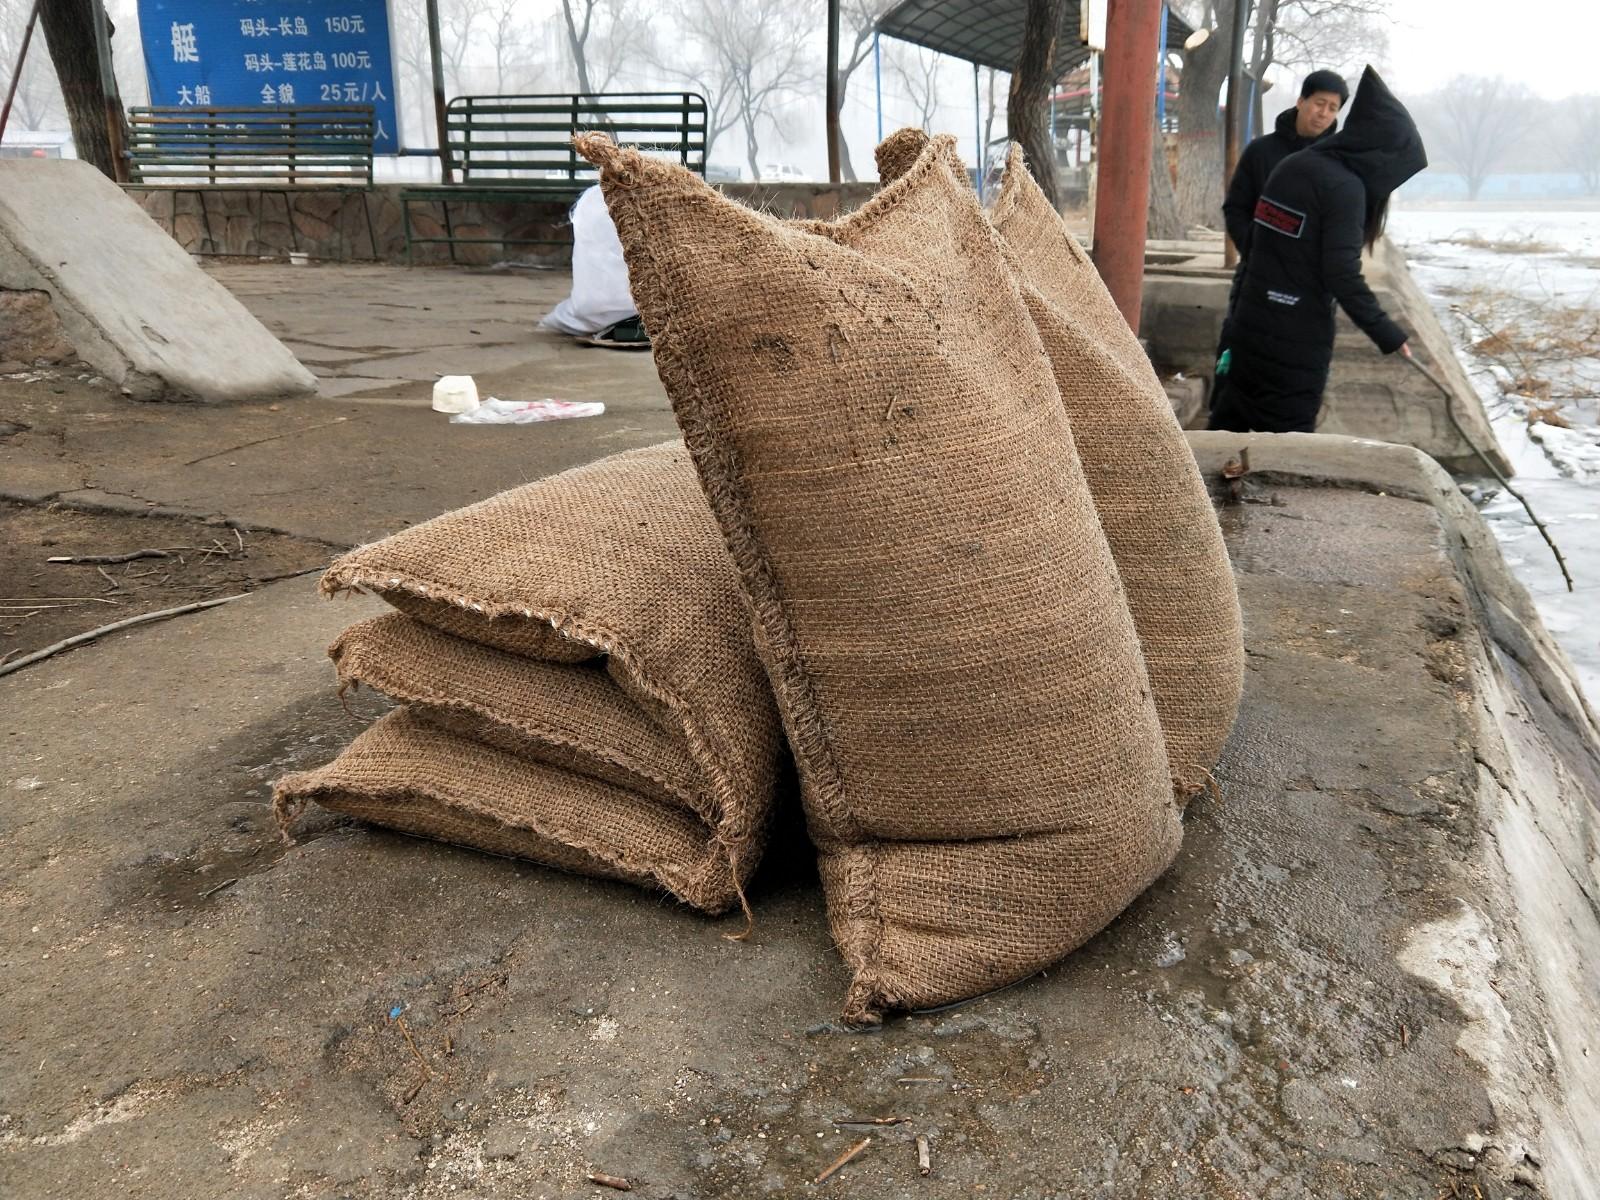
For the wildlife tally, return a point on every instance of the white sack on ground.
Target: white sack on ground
(600, 296)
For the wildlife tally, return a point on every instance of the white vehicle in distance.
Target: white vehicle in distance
(782, 173)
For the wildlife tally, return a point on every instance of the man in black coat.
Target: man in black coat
(1311, 119)
(1319, 207)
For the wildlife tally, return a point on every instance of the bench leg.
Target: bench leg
(261, 215)
(449, 230)
(205, 214)
(288, 217)
(372, 234)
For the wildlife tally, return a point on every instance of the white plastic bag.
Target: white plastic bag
(525, 412)
(600, 295)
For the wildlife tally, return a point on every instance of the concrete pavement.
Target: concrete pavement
(1372, 972)
(367, 454)
(1346, 986)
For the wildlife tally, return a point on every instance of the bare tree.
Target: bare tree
(1163, 221)
(1474, 122)
(1582, 148)
(457, 21)
(1027, 107)
(988, 129)
(578, 16)
(860, 19)
(38, 100)
(603, 39)
(1342, 35)
(409, 32)
(1200, 182)
(514, 63)
(744, 57)
(918, 71)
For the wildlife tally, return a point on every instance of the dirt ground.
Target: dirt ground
(181, 561)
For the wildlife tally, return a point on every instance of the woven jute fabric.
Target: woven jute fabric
(570, 715)
(409, 774)
(898, 153)
(1152, 502)
(592, 622)
(877, 430)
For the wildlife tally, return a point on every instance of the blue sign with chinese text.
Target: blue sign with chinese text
(231, 53)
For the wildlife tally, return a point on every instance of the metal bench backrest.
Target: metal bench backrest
(314, 144)
(527, 140)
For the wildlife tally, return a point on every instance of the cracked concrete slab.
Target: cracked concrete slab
(132, 302)
(369, 1015)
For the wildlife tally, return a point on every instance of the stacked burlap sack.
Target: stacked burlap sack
(989, 595)
(577, 684)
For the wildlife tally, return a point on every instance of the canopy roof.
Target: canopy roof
(989, 32)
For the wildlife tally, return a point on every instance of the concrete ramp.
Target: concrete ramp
(133, 303)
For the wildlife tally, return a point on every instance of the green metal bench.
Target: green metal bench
(518, 150)
(195, 149)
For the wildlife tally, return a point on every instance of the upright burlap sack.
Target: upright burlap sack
(591, 623)
(1152, 502)
(878, 433)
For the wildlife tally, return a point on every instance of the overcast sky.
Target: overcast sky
(1547, 44)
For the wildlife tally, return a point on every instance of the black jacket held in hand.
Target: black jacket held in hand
(1250, 176)
(1305, 254)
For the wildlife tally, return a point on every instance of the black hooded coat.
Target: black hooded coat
(1257, 162)
(1305, 256)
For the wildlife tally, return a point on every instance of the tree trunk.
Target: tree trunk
(1261, 59)
(69, 33)
(577, 41)
(1200, 183)
(752, 148)
(1164, 222)
(1027, 107)
(847, 170)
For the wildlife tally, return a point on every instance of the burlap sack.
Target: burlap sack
(1147, 489)
(898, 153)
(408, 773)
(876, 428)
(569, 715)
(1152, 502)
(612, 581)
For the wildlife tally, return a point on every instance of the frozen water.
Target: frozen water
(1540, 269)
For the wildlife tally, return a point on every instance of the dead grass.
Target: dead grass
(1535, 344)
(1526, 245)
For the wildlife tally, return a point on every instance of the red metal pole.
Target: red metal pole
(22, 59)
(1127, 124)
